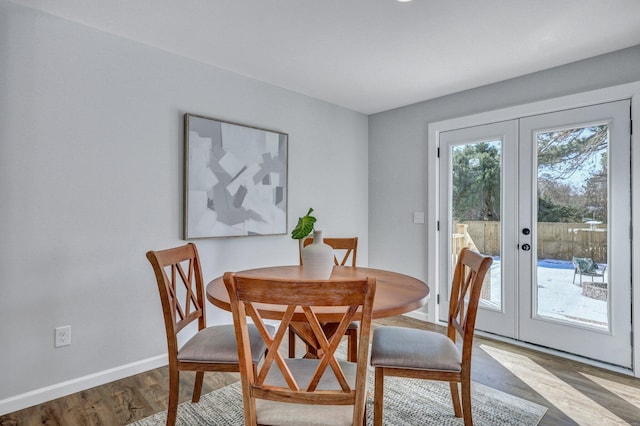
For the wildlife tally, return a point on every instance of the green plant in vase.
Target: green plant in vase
(317, 257)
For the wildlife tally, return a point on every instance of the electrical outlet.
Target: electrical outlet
(63, 336)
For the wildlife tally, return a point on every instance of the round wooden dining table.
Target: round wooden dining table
(395, 293)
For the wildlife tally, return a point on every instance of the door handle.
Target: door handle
(526, 247)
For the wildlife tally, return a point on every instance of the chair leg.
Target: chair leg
(174, 385)
(378, 396)
(455, 399)
(466, 402)
(292, 344)
(197, 386)
(352, 345)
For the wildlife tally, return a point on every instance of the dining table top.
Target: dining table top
(396, 293)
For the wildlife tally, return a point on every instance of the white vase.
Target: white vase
(317, 259)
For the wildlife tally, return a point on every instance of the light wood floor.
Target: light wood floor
(574, 393)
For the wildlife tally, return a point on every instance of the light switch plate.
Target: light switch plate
(418, 217)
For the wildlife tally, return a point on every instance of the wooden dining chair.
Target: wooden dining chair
(179, 277)
(344, 249)
(295, 391)
(422, 354)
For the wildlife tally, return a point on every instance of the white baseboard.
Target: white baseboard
(48, 393)
(418, 314)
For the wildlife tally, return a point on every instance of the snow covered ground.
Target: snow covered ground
(558, 297)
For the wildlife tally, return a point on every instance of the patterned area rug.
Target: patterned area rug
(407, 402)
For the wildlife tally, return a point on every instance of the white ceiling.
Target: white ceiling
(368, 55)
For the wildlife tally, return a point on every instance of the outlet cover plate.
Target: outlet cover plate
(63, 336)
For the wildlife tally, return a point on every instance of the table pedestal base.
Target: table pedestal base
(303, 331)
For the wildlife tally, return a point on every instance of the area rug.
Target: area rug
(407, 402)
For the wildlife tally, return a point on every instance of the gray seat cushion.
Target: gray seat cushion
(217, 344)
(415, 349)
(274, 413)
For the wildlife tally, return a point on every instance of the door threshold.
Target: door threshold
(558, 353)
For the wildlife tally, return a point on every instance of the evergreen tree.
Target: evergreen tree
(476, 181)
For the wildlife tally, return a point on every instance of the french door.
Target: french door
(548, 196)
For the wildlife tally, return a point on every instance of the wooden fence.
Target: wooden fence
(559, 241)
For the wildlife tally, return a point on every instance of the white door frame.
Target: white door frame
(626, 91)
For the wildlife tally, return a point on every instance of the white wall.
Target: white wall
(398, 139)
(91, 170)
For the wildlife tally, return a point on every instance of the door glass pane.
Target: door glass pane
(475, 175)
(572, 222)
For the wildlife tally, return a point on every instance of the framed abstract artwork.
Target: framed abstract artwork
(235, 179)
